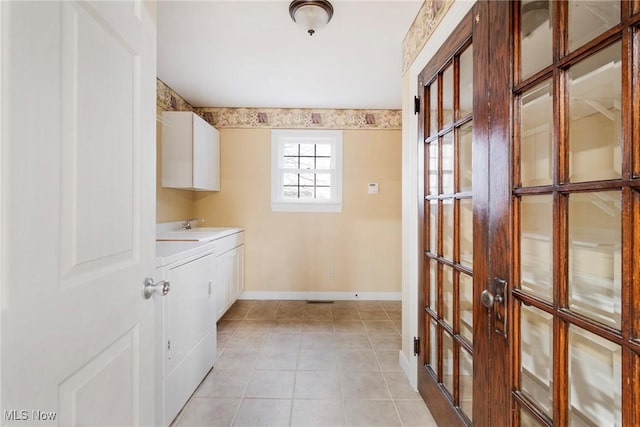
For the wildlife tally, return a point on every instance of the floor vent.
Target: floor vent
(320, 302)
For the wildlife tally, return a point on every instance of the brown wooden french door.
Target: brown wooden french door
(530, 124)
(450, 190)
(576, 204)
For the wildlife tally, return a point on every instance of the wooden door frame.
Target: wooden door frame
(481, 216)
(497, 39)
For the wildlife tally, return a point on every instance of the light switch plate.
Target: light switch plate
(373, 188)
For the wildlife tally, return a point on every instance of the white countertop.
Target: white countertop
(197, 234)
(170, 252)
(174, 244)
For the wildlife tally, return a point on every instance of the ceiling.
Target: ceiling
(241, 53)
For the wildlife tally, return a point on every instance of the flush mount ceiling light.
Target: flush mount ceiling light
(311, 15)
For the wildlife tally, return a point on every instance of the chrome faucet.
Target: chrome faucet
(186, 225)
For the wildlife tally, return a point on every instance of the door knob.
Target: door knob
(496, 301)
(150, 287)
(488, 299)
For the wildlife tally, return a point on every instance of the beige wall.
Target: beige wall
(357, 250)
(172, 205)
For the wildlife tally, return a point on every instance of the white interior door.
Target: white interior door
(78, 212)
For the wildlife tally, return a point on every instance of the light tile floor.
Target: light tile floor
(291, 363)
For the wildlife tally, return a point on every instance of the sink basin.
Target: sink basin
(196, 234)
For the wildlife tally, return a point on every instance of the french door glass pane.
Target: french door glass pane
(433, 108)
(466, 383)
(433, 167)
(465, 157)
(466, 306)
(590, 18)
(536, 355)
(447, 361)
(595, 134)
(466, 232)
(447, 163)
(447, 96)
(466, 82)
(535, 36)
(527, 420)
(433, 345)
(536, 134)
(433, 284)
(447, 229)
(447, 294)
(536, 245)
(433, 226)
(595, 256)
(594, 380)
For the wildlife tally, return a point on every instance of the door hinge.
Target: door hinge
(168, 344)
(416, 105)
(416, 346)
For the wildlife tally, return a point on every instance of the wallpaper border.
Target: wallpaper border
(429, 16)
(282, 118)
(301, 118)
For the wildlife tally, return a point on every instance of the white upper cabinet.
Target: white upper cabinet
(190, 152)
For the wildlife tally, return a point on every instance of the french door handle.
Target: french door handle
(489, 299)
(496, 301)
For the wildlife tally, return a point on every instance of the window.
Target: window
(306, 170)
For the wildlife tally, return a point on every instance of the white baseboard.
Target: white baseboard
(325, 296)
(406, 368)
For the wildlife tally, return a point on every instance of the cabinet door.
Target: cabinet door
(190, 152)
(236, 282)
(206, 156)
(215, 159)
(222, 284)
(188, 308)
(233, 274)
(177, 149)
(240, 284)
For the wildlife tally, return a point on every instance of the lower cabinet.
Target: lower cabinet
(188, 330)
(230, 262)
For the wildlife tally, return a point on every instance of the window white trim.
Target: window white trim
(279, 137)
